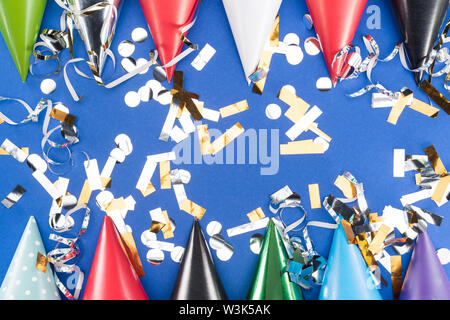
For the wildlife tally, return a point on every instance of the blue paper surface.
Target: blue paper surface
(363, 143)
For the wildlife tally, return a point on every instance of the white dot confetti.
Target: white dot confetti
(126, 48)
(214, 227)
(132, 99)
(273, 111)
(48, 86)
(139, 35)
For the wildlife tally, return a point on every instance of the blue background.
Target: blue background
(363, 142)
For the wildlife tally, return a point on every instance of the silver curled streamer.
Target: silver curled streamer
(59, 256)
(311, 270)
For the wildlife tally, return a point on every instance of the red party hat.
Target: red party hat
(335, 22)
(166, 19)
(112, 276)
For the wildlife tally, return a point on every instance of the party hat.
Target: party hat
(347, 276)
(270, 281)
(335, 22)
(112, 276)
(197, 276)
(96, 28)
(20, 21)
(425, 278)
(23, 281)
(251, 22)
(420, 22)
(166, 19)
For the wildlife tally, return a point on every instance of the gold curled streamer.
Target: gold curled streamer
(436, 96)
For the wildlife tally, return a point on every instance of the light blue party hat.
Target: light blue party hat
(23, 281)
(347, 276)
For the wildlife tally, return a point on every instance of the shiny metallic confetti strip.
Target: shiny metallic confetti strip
(13, 196)
(32, 114)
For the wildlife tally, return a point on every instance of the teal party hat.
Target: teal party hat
(23, 281)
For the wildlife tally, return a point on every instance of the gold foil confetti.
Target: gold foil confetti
(41, 262)
(116, 205)
(184, 96)
(314, 196)
(85, 193)
(234, 108)
(424, 108)
(4, 153)
(361, 241)
(255, 215)
(227, 137)
(441, 188)
(133, 255)
(435, 95)
(346, 186)
(266, 56)
(314, 128)
(62, 116)
(298, 106)
(149, 190)
(156, 226)
(164, 173)
(398, 108)
(418, 178)
(377, 244)
(348, 231)
(396, 275)
(301, 147)
(167, 229)
(192, 208)
(435, 160)
(204, 139)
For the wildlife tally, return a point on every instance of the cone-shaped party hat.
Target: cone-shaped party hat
(112, 276)
(95, 29)
(166, 19)
(425, 278)
(251, 22)
(270, 281)
(420, 22)
(347, 276)
(197, 277)
(23, 281)
(20, 21)
(335, 22)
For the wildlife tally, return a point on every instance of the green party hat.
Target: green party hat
(20, 21)
(271, 281)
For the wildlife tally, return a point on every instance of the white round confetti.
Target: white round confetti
(294, 54)
(139, 35)
(214, 227)
(159, 74)
(225, 254)
(140, 62)
(48, 86)
(128, 64)
(147, 236)
(256, 242)
(118, 155)
(104, 198)
(164, 97)
(216, 242)
(154, 85)
(324, 84)
(61, 107)
(126, 48)
(69, 202)
(145, 93)
(132, 99)
(291, 38)
(273, 111)
(155, 256)
(177, 254)
(123, 142)
(322, 141)
(443, 255)
(290, 88)
(312, 46)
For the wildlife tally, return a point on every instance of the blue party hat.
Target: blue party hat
(23, 281)
(347, 276)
